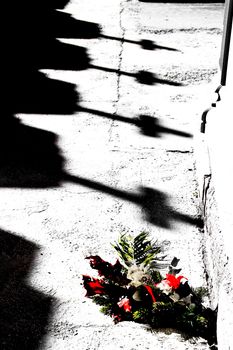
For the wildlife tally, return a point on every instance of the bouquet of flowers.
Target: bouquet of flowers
(133, 289)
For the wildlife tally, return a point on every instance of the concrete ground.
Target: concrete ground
(104, 147)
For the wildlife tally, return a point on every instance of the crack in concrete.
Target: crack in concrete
(206, 186)
(178, 151)
(121, 50)
(118, 67)
(38, 211)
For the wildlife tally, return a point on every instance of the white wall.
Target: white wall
(217, 197)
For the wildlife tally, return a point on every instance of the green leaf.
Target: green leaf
(139, 250)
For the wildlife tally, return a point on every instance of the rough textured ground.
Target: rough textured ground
(121, 161)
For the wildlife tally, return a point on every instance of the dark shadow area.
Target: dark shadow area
(25, 311)
(154, 203)
(149, 78)
(150, 45)
(149, 126)
(30, 43)
(144, 43)
(61, 56)
(141, 77)
(71, 27)
(29, 157)
(36, 94)
(58, 4)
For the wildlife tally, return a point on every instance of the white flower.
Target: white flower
(137, 275)
(165, 287)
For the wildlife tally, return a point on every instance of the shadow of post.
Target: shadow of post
(142, 77)
(148, 125)
(25, 312)
(145, 44)
(154, 203)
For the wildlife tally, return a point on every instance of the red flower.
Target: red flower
(125, 304)
(116, 318)
(149, 290)
(110, 271)
(170, 283)
(174, 281)
(93, 286)
(95, 261)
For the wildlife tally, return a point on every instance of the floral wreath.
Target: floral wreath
(133, 289)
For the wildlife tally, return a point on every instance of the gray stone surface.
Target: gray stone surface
(115, 177)
(216, 194)
(218, 268)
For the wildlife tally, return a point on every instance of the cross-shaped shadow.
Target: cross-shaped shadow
(154, 203)
(143, 77)
(145, 44)
(149, 126)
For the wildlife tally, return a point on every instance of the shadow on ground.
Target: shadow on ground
(148, 125)
(145, 44)
(29, 156)
(31, 44)
(155, 207)
(142, 77)
(25, 311)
